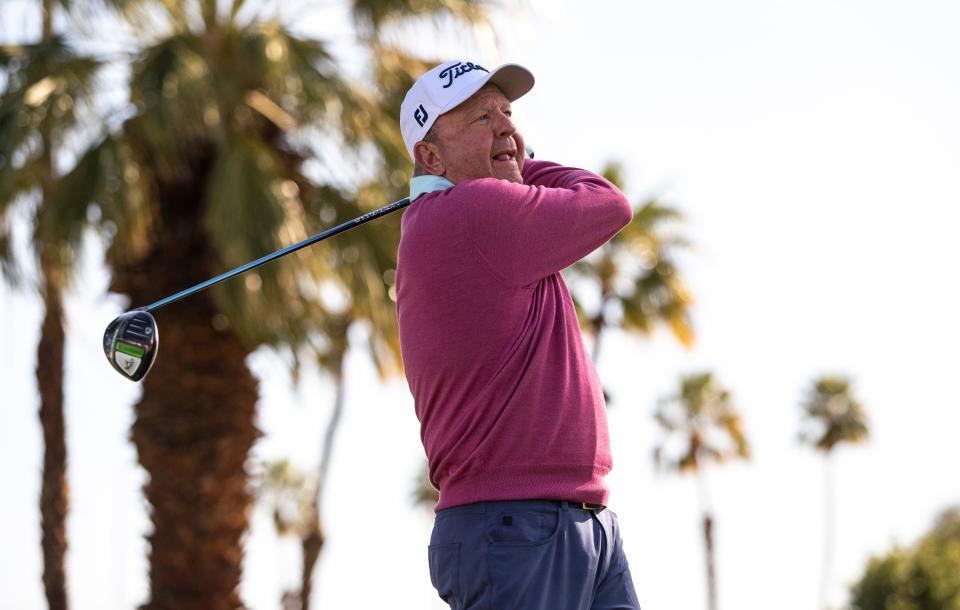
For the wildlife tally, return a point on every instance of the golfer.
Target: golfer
(511, 411)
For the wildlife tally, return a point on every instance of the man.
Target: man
(512, 415)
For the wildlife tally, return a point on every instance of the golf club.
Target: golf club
(132, 340)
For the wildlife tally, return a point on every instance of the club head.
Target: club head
(131, 342)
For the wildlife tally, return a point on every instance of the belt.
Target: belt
(584, 505)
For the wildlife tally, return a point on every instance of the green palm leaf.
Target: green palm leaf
(700, 424)
(635, 275)
(374, 15)
(831, 414)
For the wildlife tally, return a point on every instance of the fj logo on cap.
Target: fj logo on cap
(421, 115)
(457, 70)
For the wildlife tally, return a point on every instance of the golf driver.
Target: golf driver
(132, 340)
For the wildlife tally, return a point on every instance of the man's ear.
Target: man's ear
(427, 156)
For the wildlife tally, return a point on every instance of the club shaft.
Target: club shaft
(263, 260)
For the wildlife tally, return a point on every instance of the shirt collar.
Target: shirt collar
(421, 185)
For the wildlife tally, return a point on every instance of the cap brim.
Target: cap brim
(514, 80)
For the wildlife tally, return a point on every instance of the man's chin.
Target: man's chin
(509, 174)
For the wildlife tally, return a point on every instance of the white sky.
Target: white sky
(814, 147)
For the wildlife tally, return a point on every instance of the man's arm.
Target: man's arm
(525, 232)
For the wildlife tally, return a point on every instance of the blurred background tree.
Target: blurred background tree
(831, 417)
(633, 279)
(287, 493)
(46, 87)
(424, 493)
(204, 166)
(700, 426)
(924, 576)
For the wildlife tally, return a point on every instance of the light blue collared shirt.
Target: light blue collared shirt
(421, 185)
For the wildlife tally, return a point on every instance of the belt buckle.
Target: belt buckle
(591, 507)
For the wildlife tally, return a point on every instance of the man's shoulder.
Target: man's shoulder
(432, 216)
(473, 188)
(461, 198)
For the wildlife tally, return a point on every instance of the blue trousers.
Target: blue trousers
(530, 555)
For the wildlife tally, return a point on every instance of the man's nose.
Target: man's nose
(503, 125)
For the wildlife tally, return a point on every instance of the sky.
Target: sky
(813, 148)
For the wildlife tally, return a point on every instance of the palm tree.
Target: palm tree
(831, 416)
(208, 172)
(45, 84)
(367, 305)
(701, 426)
(635, 277)
(204, 176)
(287, 493)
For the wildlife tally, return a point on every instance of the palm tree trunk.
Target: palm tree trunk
(311, 543)
(598, 326)
(193, 431)
(599, 322)
(708, 538)
(313, 538)
(826, 565)
(195, 422)
(711, 571)
(54, 490)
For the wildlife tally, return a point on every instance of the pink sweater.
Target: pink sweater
(510, 406)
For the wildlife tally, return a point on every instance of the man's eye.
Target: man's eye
(483, 117)
(508, 112)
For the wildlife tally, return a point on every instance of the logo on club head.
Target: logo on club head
(421, 115)
(128, 363)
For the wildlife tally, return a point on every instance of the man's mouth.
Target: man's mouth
(507, 155)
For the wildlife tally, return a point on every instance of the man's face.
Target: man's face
(477, 139)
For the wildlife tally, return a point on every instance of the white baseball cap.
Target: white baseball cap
(447, 86)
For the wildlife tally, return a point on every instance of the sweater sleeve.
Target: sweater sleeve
(526, 232)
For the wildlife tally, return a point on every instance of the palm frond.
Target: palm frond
(371, 16)
(285, 492)
(700, 425)
(832, 415)
(62, 222)
(9, 267)
(46, 84)
(171, 87)
(636, 272)
(614, 173)
(394, 72)
(253, 209)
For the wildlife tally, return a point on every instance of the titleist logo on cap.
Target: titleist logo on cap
(457, 70)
